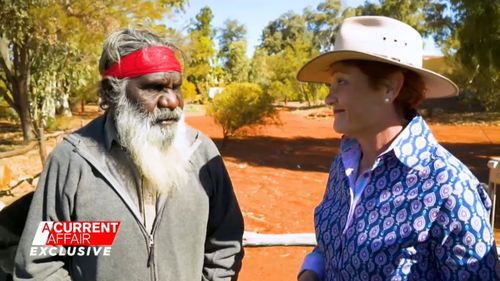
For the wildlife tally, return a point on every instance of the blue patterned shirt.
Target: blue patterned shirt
(417, 214)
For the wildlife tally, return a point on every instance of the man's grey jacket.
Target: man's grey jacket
(196, 236)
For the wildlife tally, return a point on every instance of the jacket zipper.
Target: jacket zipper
(151, 257)
(149, 236)
(151, 244)
(151, 251)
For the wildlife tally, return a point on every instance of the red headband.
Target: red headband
(144, 61)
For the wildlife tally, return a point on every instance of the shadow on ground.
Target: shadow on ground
(309, 154)
(313, 154)
(8, 127)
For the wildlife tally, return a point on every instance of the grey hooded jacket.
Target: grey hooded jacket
(196, 235)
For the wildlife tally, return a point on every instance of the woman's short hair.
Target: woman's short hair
(412, 93)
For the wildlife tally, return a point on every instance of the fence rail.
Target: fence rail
(252, 239)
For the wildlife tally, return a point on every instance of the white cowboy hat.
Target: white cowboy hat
(381, 39)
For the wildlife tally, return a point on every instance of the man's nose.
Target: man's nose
(168, 100)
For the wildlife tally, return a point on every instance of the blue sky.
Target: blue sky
(255, 15)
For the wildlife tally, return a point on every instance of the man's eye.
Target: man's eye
(155, 87)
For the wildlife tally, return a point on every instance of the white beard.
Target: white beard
(160, 152)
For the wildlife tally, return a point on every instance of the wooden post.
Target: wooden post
(5, 175)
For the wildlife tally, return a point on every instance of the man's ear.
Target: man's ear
(394, 85)
(105, 85)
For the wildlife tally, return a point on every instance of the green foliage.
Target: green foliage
(260, 72)
(468, 33)
(232, 52)
(475, 25)
(287, 43)
(284, 32)
(240, 104)
(6, 111)
(324, 23)
(188, 90)
(231, 32)
(284, 68)
(204, 21)
(201, 52)
(58, 123)
(236, 64)
(280, 91)
(410, 12)
(471, 40)
(480, 84)
(50, 47)
(314, 93)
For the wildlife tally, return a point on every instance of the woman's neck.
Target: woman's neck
(374, 144)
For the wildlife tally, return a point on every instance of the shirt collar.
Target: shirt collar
(110, 132)
(412, 146)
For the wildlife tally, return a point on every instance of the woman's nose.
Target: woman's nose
(168, 100)
(331, 99)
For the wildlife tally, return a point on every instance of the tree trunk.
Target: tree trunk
(16, 80)
(225, 138)
(42, 148)
(306, 95)
(25, 118)
(19, 80)
(82, 105)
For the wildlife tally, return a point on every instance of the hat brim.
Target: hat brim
(318, 70)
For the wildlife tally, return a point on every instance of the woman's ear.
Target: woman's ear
(395, 84)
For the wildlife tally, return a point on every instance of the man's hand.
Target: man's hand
(308, 275)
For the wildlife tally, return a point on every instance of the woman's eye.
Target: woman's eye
(341, 81)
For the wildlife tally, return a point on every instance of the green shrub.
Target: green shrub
(58, 123)
(7, 112)
(239, 105)
(188, 90)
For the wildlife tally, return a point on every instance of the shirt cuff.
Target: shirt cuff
(314, 262)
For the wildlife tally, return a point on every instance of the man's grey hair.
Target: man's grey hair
(118, 44)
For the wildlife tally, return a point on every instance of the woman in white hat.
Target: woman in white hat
(398, 206)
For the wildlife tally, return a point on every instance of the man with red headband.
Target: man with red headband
(140, 165)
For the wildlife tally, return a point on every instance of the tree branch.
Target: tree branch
(7, 83)
(5, 94)
(4, 58)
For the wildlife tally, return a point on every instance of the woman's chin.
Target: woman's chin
(339, 128)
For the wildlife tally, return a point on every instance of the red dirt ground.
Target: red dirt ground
(279, 174)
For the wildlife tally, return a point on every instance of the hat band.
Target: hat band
(398, 60)
(144, 61)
